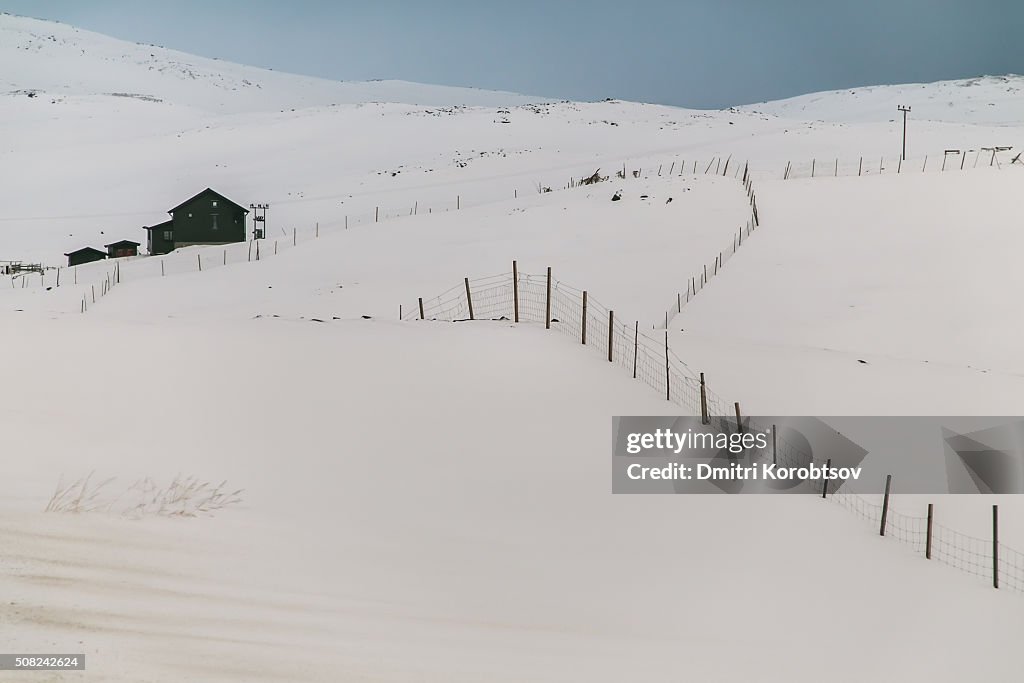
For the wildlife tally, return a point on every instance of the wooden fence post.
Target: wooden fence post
(860, 169)
(583, 337)
(928, 536)
(885, 504)
(547, 304)
(739, 419)
(422, 317)
(376, 214)
(515, 291)
(899, 165)
(812, 167)
(317, 230)
(199, 260)
(636, 347)
(824, 485)
(469, 300)
(995, 546)
(161, 269)
(668, 372)
(704, 419)
(458, 201)
(611, 333)
(775, 445)
(294, 236)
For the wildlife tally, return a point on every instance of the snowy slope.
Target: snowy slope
(430, 501)
(57, 63)
(92, 157)
(984, 100)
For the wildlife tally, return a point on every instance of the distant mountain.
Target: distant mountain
(46, 58)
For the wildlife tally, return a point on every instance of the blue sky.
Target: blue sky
(697, 53)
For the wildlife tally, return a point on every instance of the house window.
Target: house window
(168, 235)
(213, 221)
(214, 203)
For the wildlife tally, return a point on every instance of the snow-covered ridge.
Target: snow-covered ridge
(981, 100)
(47, 57)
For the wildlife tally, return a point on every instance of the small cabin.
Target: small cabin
(85, 255)
(207, 218)
(122, 249)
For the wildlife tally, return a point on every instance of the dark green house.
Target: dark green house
(85, 255)
(207, 218)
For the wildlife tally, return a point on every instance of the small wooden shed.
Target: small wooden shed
(85, 255)
(122, 248)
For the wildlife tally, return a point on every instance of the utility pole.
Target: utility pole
(904, 110)
(259, 220)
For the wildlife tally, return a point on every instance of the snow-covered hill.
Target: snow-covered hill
(427, 500)
(57, 63)
(103, 136)
(993, 100)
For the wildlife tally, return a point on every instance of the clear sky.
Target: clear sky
(697, 53)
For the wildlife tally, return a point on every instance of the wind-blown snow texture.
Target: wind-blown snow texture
(431, 501)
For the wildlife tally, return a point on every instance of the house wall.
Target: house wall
(194, 223)
(155, 242)
(79, 259)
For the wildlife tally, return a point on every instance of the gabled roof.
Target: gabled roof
(86, 250)
(208, 191)
(166, 225)
(122, 243)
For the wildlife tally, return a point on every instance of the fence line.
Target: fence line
(950, 160)
(696, 283)
(535, 299)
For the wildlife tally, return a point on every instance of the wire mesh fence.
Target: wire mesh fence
(542, 299)
(697, 282)
(949, 160)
